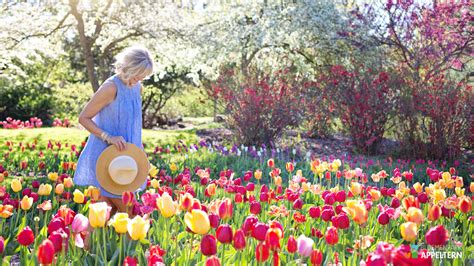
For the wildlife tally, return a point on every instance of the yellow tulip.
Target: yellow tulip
(459, 191)
(409, 231)
(16, 185)
(277, 180)
(68, 183)
(59, 189)
(120, 222)
(197, 221)
(305, 186)
(155, 183)
(299, 173)
(375, 194)
(418, 187)
(53, 176)
(415, 215)
(93, 193)
(173, 167)
(45, 189)
(98, 214)
(356, 188)
(138, 228)
(26, 203)
(78, 196)
(258, 174)
(439, 195)
(153, 171)
(357, 210)
(166, 205)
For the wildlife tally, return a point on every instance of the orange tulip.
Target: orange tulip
(375, 194)
(415, 215)
(271, 163)
(409, 231)
(211, 189)
(434, 213)
(465, 205)
(356, 209)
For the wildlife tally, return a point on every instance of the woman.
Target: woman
(113, 117)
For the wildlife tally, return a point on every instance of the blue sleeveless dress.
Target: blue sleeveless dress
(122, 117)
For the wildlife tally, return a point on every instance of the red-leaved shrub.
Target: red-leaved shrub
(260, 106)
(363, 99)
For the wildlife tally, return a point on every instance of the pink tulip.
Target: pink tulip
(305, 245)
(80, 223)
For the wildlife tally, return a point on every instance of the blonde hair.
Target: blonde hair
(134, 61)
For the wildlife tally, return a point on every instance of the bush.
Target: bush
(363, 99)
(260, 107)
(69, 100)
(25, 100)
(436, 118)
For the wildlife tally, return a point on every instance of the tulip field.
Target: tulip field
(207, 204)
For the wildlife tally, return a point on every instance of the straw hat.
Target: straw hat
(120, 171)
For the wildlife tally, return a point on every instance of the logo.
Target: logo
(414, 251)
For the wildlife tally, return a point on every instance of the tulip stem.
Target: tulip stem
(120, 250)
(105, 244)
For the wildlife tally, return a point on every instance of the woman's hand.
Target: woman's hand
(119, 142)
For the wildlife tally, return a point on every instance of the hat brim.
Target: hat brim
(102, 168)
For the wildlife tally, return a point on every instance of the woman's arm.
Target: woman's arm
(104, 96)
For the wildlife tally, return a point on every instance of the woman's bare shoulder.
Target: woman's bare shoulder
(106, 92)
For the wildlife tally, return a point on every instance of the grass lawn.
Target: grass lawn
(75, 136)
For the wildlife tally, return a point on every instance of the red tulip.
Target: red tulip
(55, 224)
(330, 199)
(374, 259)
(57, 238)
(26, 236)
(314, 212)
(395, 203)
(276, 258)
(465, 205)
(249, 224)
(260, 231)
(298, 204)
(255, 207)
(316, 257)
(331, 235)
(224, 234)
(383, 218)
(327, 214)
(291, 246)
(213, 261)
(250, 186)
(422, 197)
(272, 238)
(130, 261)
(239, 240)
(127, 198)
(238, 198)
(262, 252)
(214, 220)
(2, 244)
(341, 196)
(437, 236)
(67, 215)
(225, 209)
(341, 221)
(46, 252)
(208, 245)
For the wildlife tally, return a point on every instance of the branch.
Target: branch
(58, 27)
(112, 44)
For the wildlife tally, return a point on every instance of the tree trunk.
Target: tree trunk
(85, 45)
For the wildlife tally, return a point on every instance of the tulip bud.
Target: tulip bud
(225, 209)
(291, 246)
(316, 257)
(314, 212)
(127, 198)
(383, 218)
(208, 245)
(224, 234)
(239, 240)
(262, 252)
(46, 252)
(332, 236)
(255, 207)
